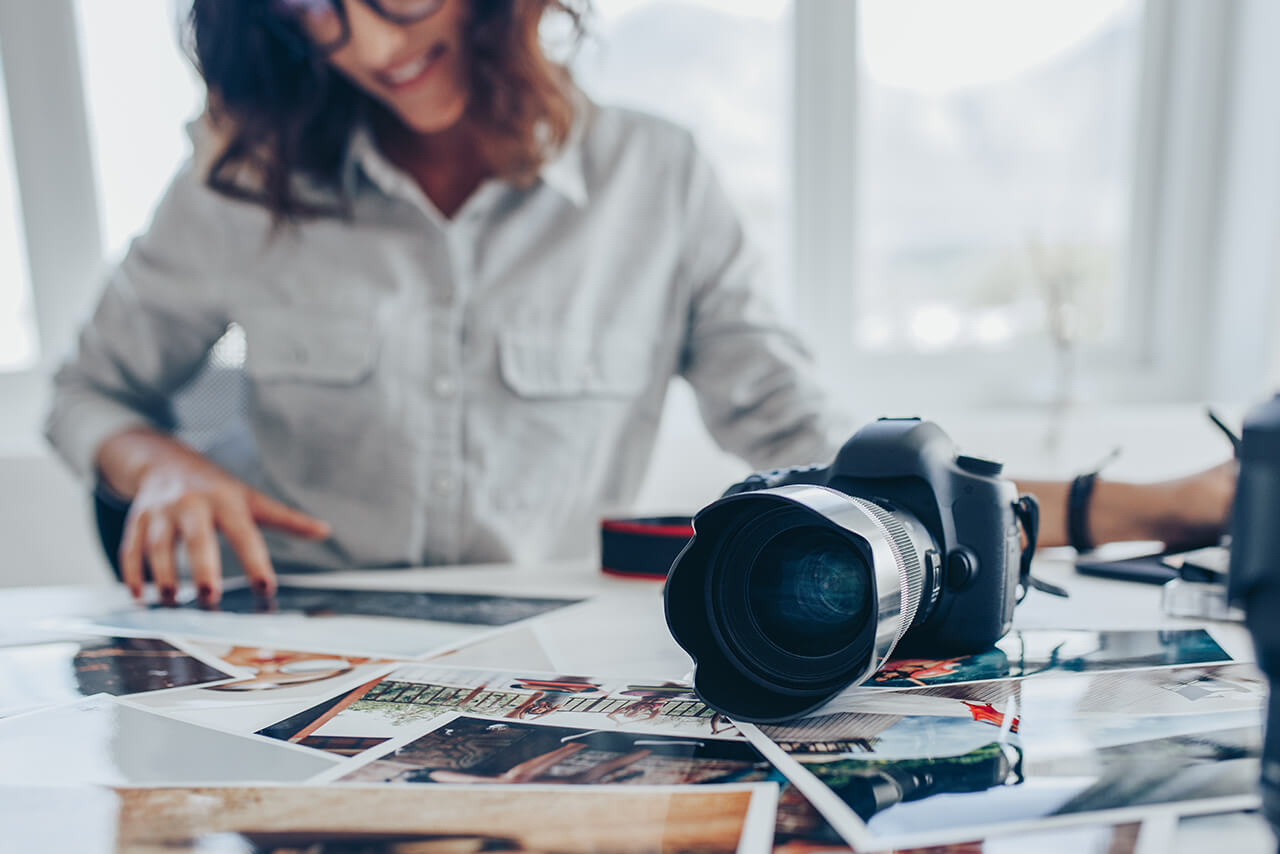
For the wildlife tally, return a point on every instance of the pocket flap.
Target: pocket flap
(319, 345)
(542, 364)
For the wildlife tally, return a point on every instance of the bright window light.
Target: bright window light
(720, 68)
(995, 168)
(18, 345)
(141, 91)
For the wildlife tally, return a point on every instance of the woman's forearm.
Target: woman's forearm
(1116, 511)
(1184, 512)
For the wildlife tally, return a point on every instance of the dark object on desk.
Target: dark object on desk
(799, 583)
(1147, 569)
(1206, 565)
(109, 512)
(1254, 577)
(477, 609)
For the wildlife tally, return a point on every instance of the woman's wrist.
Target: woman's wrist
(124, 459)
(1119, 511)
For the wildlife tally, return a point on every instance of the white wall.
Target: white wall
(46, 526)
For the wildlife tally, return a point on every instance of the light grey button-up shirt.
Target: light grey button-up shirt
(481, 388)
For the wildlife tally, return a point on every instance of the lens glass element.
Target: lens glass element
(810, 591)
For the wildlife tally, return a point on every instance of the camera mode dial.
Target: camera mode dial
(979, 466)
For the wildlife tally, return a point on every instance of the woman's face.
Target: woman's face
(418, 70)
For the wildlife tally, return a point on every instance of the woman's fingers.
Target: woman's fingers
(268, 512)
(189, 507)
(130, 555)
(159, 550)
(237, 524)
(196, 527)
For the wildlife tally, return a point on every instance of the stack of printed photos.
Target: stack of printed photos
(339, 723)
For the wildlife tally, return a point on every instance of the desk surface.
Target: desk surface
(623, 632)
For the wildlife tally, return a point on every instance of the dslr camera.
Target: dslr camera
(801, 582)
(1253, 579)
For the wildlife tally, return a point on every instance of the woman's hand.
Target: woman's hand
(1192, 511)
(181, 498)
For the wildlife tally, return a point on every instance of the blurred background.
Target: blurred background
(1052, 226)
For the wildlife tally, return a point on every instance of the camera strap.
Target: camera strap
(643, 548)
(1027, 511)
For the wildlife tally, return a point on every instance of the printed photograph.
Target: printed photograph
(282, 682)
(466, 749)
(56, 672)
(1030, 652)
(1194, 689)
(371, 637)
(383, 820)
(279, 669)
(414, 693)
(102, 740)
(966, 760)
(477, 609)
(1083, 839)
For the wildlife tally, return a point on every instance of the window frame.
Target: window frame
(57, 195)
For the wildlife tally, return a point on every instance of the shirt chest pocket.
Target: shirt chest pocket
(568, 365)
(309, 345)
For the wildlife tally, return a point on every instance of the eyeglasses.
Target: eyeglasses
(325, 21)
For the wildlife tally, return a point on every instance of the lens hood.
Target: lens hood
(740, 667)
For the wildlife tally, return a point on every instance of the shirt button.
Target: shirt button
(444, 386)
(442, 484)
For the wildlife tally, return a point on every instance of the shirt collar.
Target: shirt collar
(562, 171)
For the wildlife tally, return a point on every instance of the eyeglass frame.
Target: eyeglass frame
(279, 13)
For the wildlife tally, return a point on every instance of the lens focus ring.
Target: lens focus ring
(905, 555)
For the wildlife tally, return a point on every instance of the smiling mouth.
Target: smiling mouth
(408, 74)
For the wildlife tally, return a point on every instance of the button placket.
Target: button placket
(446, 510)
(444, 386)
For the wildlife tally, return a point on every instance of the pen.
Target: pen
(1235, 440)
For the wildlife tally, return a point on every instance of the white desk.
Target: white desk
(623, 632)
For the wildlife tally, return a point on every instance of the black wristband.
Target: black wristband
(1078, 512)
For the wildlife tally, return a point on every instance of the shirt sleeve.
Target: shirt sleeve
(155, 322)
(753, 378)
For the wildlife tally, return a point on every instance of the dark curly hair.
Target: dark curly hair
(284, 112)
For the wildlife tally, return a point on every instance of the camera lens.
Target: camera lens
(810, 591)
(785, 596)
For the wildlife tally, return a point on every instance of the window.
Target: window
(138, 140)
(995, 175)
(18, 347)
(675, 59)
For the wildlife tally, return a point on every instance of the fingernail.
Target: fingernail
(261, 587)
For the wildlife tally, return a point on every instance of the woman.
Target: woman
(464, 290)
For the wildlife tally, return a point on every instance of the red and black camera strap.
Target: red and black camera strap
(643, 547)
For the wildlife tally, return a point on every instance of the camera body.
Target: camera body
(1253, 580)
(962, 502)
(934, 533)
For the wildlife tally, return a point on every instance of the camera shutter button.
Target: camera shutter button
(979, 466)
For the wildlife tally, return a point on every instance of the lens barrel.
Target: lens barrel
(787, 596)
